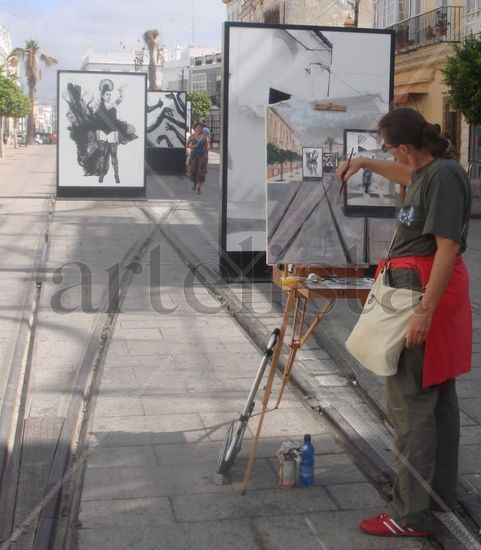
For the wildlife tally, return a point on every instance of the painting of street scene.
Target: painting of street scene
(306, 222)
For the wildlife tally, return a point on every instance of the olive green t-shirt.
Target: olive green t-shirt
(437, 204)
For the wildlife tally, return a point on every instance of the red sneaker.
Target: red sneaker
(385, 526)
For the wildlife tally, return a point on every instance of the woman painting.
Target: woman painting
(425, 254)
(197, 146)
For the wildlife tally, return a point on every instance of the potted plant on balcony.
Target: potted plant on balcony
(441, 23)
(429, 33)
(402, 37)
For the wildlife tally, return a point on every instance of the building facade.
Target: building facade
(195, 68)
(10, 69)
(133, 60)
(301, 12)
(44, 118)
(280, 133)
(426, 34)
(206, 75)
(5, 45)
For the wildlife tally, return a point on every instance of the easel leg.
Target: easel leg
(287, 373)
(268, 388)
(298, 342)
(297, 327)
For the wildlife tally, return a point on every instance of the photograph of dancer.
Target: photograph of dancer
(92, 123)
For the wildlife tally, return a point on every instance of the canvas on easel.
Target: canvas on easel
(306, 218)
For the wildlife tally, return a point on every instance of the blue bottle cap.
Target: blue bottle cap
(307, 437)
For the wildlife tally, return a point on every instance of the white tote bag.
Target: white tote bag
(379, 336)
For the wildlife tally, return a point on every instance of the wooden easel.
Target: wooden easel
(297, 298)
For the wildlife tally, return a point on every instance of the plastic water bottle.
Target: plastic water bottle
(306, 468)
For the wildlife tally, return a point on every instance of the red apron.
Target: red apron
(448, 347)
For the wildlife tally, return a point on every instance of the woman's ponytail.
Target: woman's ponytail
(432, 140)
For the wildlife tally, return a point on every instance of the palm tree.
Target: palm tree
(31, 55)
(152, 41)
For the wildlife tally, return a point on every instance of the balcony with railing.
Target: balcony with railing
(443, 24)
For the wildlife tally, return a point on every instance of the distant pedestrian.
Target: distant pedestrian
(207, 133)
(366, 180)
(425, 254)
(197, 146)
(205, 129)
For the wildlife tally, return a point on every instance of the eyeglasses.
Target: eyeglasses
(385, 147)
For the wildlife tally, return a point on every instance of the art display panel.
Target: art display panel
(101, 132)
(294, 65)
(166, 119)
(367, 193)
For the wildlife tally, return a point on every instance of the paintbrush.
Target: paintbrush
(343, 181)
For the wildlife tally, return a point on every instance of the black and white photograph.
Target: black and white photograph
(367, 193)
(312, 70)
(311, 163)
(166, 119)
(101, 130)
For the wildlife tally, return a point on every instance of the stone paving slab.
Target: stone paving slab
(253, 504)
(148, 511)
(149, 481)
(142, 430)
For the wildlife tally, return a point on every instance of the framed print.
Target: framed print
(368, 194)
(166, 132)
(189, 116)
(166, 119)
(330, 161)
(101, 133)
(311, 163)
(298, 67)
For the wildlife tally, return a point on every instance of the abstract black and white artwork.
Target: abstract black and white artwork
(311, 163)
(189, 116)
(166, 119)
(367, 193)
(101, 130)
(329, 161)
(299, 67)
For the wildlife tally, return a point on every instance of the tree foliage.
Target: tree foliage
(462, 76)
(12, 102)
(32, 56)
(201, 104)
(152, 41)
(276, 155)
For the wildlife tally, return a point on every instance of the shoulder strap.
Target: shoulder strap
(388, 255)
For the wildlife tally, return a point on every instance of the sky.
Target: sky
(65, 29)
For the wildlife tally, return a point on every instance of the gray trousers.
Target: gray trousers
(426, 425)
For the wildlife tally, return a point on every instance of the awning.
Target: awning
(414, 88)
